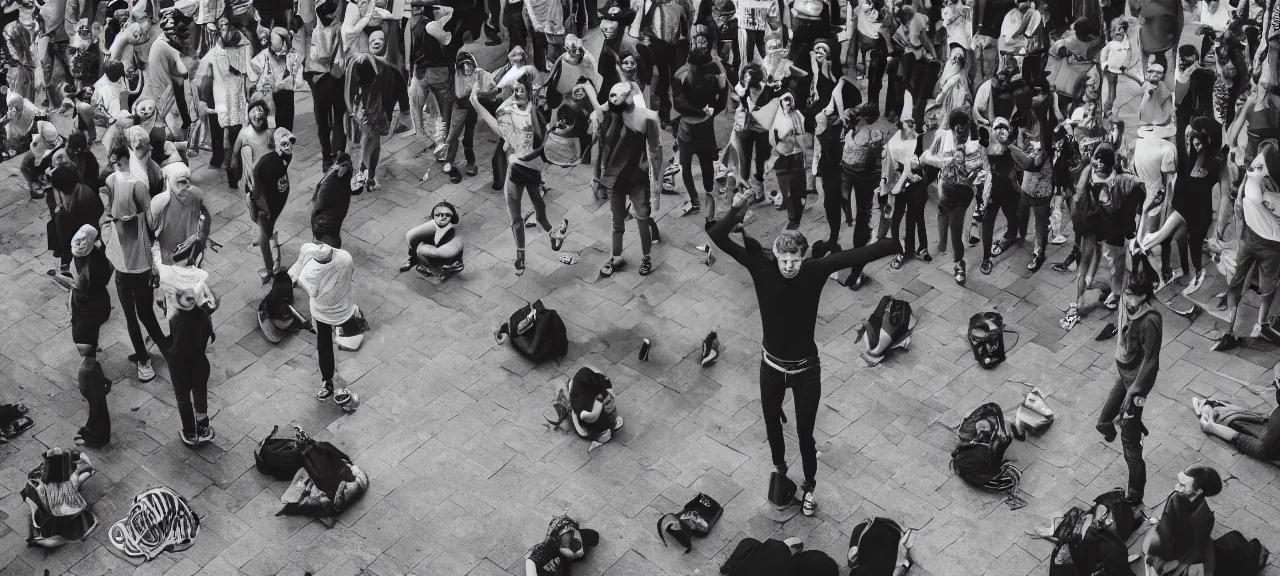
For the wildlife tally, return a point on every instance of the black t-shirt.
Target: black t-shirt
(332, 199)
(546, 557)
(190, 332)
(271, 181)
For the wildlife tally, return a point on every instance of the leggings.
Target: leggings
(911, 202)
(283, 101)
(134, 290)
(514, 192)
(1002, 202)
(190, 375)
(789, 170)
(834, 202)
(1029, 205)
(749, 142)
(862, 186)
(324, 349)
(952, 207)
(806, 386)
(706, 155)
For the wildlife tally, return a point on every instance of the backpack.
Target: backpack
(697, 518)
(327, 466)
(279, 458)
(979, 459)
(782, 490)
(1119, 515)
(986, 338)
(536, 332)
(1235, 555)
(891, 315)
(873, 547)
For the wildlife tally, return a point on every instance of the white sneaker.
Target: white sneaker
(145, 372)
(1197, 280)
(448, 167)
(1058, 239)
(808, 505)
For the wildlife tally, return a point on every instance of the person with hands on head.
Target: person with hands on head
(566, 542)
(788, 288)
(592, 407)
(522, 129)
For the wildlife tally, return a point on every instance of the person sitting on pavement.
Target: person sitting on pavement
(434, 247)
(1182, 542)
(1253, 433)
(566, 542)
(587, 401)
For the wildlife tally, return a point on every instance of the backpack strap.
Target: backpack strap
(274, 429)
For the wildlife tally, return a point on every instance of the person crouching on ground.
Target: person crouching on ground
(434, 247)
(588, 403)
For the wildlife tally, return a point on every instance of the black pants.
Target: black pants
(462, 131)
(585, 16)
(921, 77)
(753, 143)
(835, 202)
(233, 176)
(755, 43)
(789, 170)
(876, 56)
(1041, 207)
(330, 108)
(953, 204)
(135, 294)
(190, 375)
(518, 34)
(705, 150)
(1131, 432)
(96, 431)
(807, 389)
(275, 18)
(910, 203)
(1002, 202)
(324, 349)
(862, 187)
(665, 58)
(283, 101)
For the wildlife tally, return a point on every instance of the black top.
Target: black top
(271, 181)
(546, 557)
(1193, 195)
(89, 295)
(427, 51)
(190, 332)
(586, 387)
(789, 306)
(332, 198)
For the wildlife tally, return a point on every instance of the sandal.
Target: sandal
(959, 272)
(690, 208)
(986, 266)
(613, 265)
(519, 263)
(646, 266)
(998, 248)
(557, 238)
(897, 261)
(1071, 319)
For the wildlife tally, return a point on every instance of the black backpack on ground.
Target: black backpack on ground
(697, 518)
(1085, 548)
(279, 458)
(986, 338)
(873, 547)
(1120, 513)
(1235, 555)
(536, 332)
(975, 460)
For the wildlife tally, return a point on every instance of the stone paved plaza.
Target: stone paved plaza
(464, 474)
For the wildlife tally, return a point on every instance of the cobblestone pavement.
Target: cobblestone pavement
(464, 473)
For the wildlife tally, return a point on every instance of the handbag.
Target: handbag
(697, 518)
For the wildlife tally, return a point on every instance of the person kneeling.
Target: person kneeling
(587, 401)
(1182, 542)
(435, 250)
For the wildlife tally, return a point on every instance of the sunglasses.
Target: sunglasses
(442, 215)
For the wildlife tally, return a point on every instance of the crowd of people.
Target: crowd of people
(1067, 111)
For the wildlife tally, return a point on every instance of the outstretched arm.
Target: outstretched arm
(719, 231)
(855, 256)
(483, 114)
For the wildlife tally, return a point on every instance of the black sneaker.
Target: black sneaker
(1227, 342)
(710, 349)
(1108, 431)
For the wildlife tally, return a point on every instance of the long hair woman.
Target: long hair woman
(1033, 153)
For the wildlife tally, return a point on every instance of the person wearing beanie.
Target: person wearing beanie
(1259, 245)
(332, 200)
(273, 75)
(180, 218)
(1004, 196)
(77, 206)
(190, 332)
(1105, 213)
(467, 77)
(700, 94)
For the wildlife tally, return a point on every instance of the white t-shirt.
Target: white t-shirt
(1152, 159)
(1216, 20)
(960, 31)
(1261, 209)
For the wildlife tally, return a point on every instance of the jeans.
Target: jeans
(749, 142)
(876, 57)
(439, 80)
(324, 349)
(789, 170)
(806, 386)
(705, 151)
(863, 186)
(134, 290)
(1041, 207)
(664, 56)
(911, 202)
(953, 203)
(834, 201)
(1131, 432)
(462, 130)
(1002, 202)
(330, 108)
(190, 376)
(283, 101)
(639, 196)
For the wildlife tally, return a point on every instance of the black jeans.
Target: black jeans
(96, 431)
(1002, 202)
(1041, 207)
(921, 77)
(283, 101)
(835, 200)
(665, 57)
(910, 203)
(1131, 432)
(705, 150)
(330, 109)
(190, 376)
(953, 204)
(324, 349)
(862, 186)
(752, 143)
(135, 293)
(806, 386)
(789, 170)
(462, 130)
